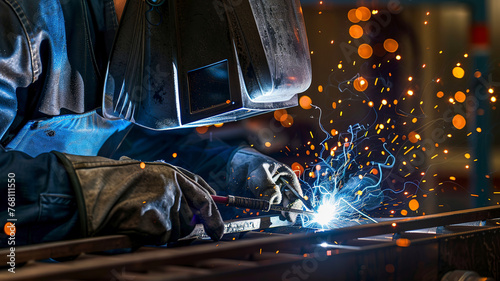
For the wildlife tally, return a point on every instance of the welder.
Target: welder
(70, 132)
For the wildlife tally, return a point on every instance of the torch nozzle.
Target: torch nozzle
(307, 203)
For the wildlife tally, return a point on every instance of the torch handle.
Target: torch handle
(243, 202)
(220, 199)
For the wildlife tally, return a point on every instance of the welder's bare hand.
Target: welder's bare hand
(153, 202)
(253, 173)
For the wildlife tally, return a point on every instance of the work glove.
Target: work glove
(258, 175)
(153, 202)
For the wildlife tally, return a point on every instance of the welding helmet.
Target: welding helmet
(185, 63)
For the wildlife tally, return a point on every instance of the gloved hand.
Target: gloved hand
(252, 173)
(153, 202)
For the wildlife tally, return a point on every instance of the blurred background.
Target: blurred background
(419, 77)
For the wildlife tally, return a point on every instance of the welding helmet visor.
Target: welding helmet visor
(185, 63)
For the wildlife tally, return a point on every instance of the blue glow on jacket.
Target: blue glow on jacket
(81, 134)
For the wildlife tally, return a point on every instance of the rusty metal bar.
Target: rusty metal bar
(71, 248)
(67, 248)
(420, 260)
(301, 243)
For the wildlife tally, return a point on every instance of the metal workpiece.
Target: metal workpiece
(414, 248)
(241, 225)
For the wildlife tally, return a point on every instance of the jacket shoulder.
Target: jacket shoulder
(40, 19)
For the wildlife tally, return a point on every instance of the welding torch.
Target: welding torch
(255, 204)
(296, 193)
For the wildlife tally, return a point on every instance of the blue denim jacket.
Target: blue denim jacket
(53, 63)
(53, 58)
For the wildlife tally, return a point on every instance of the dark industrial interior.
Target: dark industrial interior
(419, 81)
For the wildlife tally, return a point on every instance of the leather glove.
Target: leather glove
(255, 174)
(153, 202)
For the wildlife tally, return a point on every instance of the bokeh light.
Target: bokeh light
(360, 84)
(458, 72)
(460, 96)
(365, 51)
(413, 205)
(287, 122)
(403, 242)
(305, 102)
(298, 169)
(352, 16)
(278, 114)
(202, 130)
(356, 31)
(9, 228)
(414, 137)
(391, 45)
(459, 121)
(363, 13)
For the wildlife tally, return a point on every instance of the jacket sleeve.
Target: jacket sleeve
(35, 193)
(206, 157)
(15, 64)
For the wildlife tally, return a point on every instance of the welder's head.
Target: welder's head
(183, 63)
